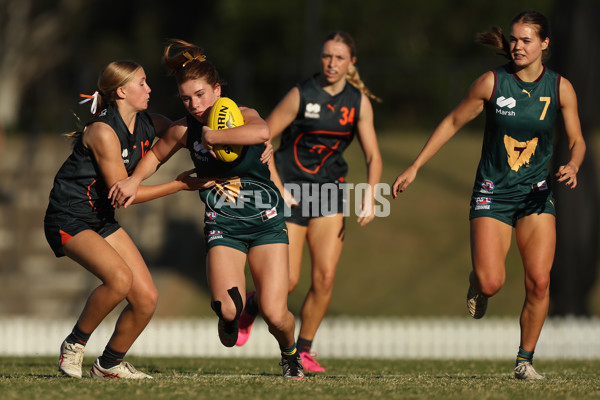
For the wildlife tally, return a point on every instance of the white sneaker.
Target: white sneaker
(526, 371)
(71, 358)
(476, 303)
(123, 370)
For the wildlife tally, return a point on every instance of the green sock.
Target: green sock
(288, 351)
(524, 356)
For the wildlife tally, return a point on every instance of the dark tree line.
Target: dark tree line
(576, 262)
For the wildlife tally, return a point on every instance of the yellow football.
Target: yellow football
(225, 114)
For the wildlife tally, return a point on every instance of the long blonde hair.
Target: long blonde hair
(352, 76)
(115, 75)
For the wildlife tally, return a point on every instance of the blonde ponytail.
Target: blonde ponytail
(354, 78)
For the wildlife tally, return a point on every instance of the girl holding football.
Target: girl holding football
(80, 221)
(513, 186)
(318, 119)
(237, 224)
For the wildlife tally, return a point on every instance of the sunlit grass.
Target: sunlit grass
(182, 378)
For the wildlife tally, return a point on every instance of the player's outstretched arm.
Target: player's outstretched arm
(469, 108)
(128, 191)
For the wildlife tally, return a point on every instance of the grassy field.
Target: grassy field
(36, 378)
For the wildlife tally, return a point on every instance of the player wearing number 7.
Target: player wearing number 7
(513, 184)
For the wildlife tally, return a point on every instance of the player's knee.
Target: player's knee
(120, 282)
(538, 287)
(276, 318)
(323, 281)
(147, 304)
(491, 285)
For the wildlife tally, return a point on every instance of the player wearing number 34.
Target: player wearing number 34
(513, 186)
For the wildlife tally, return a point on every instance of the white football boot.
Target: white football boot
(124, 370)
(71, 358)
(525, 370)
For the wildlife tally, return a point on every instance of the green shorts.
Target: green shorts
(511, 209)
(243, 241)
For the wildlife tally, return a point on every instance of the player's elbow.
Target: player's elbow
(262, 133)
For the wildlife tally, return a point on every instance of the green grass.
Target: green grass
(182, 378)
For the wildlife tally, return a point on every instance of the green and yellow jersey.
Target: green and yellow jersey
(518, 138)
(244, 198)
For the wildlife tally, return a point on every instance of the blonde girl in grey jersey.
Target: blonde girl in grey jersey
(530, 211)
(80, 221)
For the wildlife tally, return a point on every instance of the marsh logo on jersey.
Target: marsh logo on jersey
(199, 151)
(124, 155)
(313, 110)
(199, 148)
(504, 102)
(487, 187)
(482, 203)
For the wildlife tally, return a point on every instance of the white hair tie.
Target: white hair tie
(93, 98)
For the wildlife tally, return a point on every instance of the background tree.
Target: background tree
(31, 39)
(577, 57)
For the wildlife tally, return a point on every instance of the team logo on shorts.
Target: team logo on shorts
(268, 214)
(543, 185)
(482, 203)
(212, 235)
(487, 186)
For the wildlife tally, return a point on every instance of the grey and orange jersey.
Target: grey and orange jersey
(312, 145)
(79, 188)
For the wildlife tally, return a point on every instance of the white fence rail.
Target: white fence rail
(410, 338)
